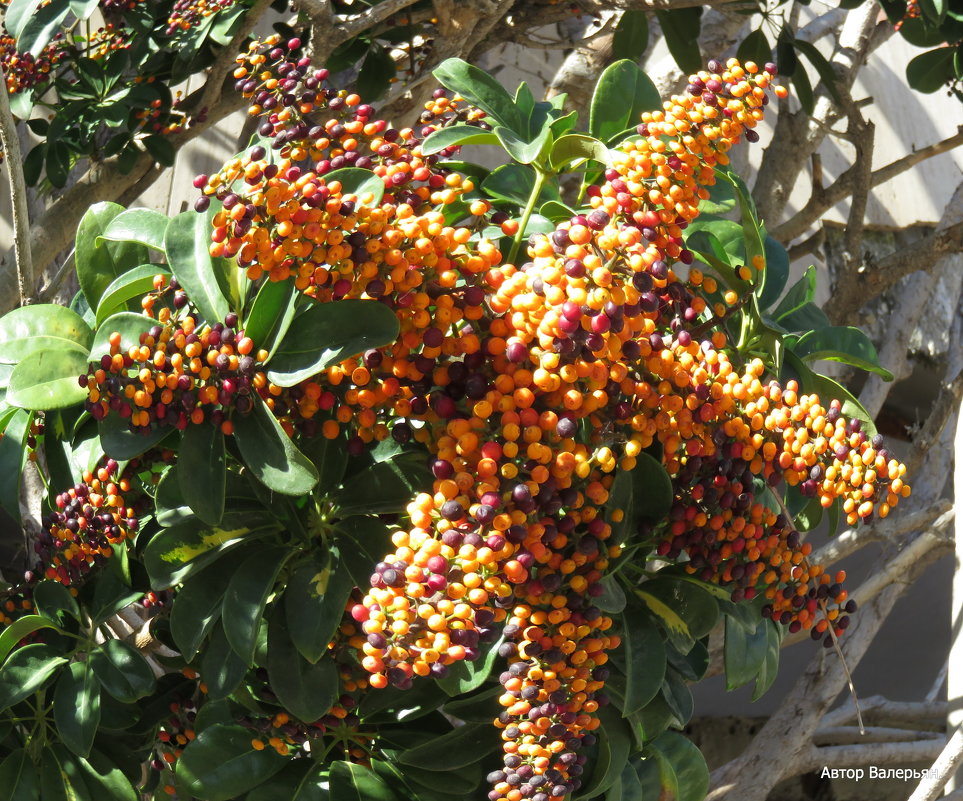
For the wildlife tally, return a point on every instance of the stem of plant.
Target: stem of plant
(540, 177)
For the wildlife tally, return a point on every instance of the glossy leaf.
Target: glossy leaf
(799, 294)
(755, 47)
(687, 764)
(361, 543)
(51, 599)
(482, 90)
(576, 148)
(522, 150)
(76, 707)
(680, 28)
(271, 455)
(314, 602)
(515, 183)
(27, 670)
(822, 65)
(186, 243)
(464, 677)
(105, 780)
(303, 780)
(457, 749)
(124, 288)
(246, 596)
(119, 442)
(687, 612)
(304, 689)
(622, 93)
(643, 493)
(770, 665)
(20, 628)
(360, 183)
(122, 671)
(271, 314)
(202, 471)
(48, 379)
(129, 325)
(44, 326)
(197, 605)
(60, 777)
(19, 778)
(631, 35)
(456, 136)
(178, 552)
(40, 27)
(828, 390)
(145, 226)
(776, 273)
(644, 659)
(221, 764)
(222, 668)
(841, 344)
(383, 487)
(744, 651)
(615, 744)
(99, 261)
(329, 333)
(330, 459)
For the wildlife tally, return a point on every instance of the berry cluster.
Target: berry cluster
(24, 71)
(90, 518)
(187, 14)
(178, 374)
(532, 384)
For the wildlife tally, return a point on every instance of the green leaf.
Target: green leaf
(302, 780)
(681, 27)
(934, 11)
(384, 487)
(522, 150)
(144, 226)
(100, 261)
(745, 651)
(39, 28)
(362, 542)
(631, 35)
(770, 666)
(76, 706)
(799, 294)
(615, 743)
(130, 326)
(246, 597)
(644, 659)
(122, 671)
(803, 90)
(221, 764)
(456, 136)
(48, 379)
(13, 455)
(722, 199)
(60, 777)
(775, 275)
(222, 668)
(18, 777)
(686, 611)
(304, 689)
(314, 602)
(643, 493)
(160, 149)
(27, 670)
(82, 9)
(841, 344)
(106, 780)
(202, 471)
(20, 628)
(576, 148)
(823, 67)
(452, 751)
(328, 333)
(786, 59)
(377, 70)
(51, 599)
(197, 605)
(178, 552)
(358, 182)
(464, 676)
(755, 47)
(271, 455)
(515, 183)
(482, 90)
(675, 691)
(186, 242)
(330, 458)
(622, 93)
(119, 442)
(271, 314)
(807, 317)
(124, 288)
(44, 326)
(827, 389)
(688, 765)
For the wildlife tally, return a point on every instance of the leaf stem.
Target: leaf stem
(540, 177)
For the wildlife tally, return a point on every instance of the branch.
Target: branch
(10, 142)
(855, 288)
(823, 199)
(882, 711)
(945, 766)
(843, 756)
(850, 735)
